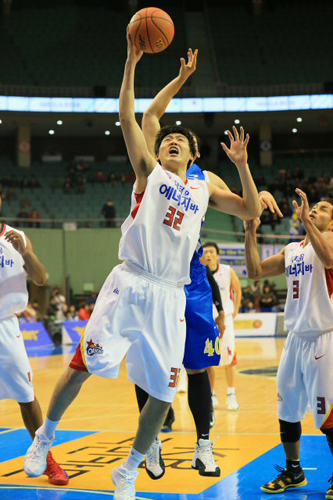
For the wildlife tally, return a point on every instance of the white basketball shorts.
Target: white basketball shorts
(142, 316)
(305, 375)
(15, 369)
(227, 343)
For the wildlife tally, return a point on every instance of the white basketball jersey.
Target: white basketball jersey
(309, 304)
(223, 279)
(161, 233)
(13, 285)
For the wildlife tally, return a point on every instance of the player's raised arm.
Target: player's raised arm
(257, 269)
(142, 161)
(151, 117)
(246, 207)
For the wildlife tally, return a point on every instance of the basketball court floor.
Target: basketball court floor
(96, 433)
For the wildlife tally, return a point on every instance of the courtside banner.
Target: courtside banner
(233, 254)
(35, 336)
(255, 324)
(72, 331)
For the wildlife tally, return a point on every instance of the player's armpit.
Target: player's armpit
(217, 181)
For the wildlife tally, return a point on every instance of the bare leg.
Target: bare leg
(65, 392)
(292, 450)
(151, 420)
(32, 416)
(230, 375)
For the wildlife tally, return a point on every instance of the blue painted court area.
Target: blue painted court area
(243, 484)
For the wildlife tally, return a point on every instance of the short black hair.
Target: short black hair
(212, 244)
(197, 139)
(175, 129)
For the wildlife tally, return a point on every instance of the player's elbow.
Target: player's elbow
(253, 274)
(40, 279)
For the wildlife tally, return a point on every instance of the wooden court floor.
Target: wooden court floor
(97, 430)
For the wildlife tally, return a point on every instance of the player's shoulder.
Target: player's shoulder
(195, 173)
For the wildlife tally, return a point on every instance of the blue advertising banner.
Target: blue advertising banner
(35, 336)
(72, 331)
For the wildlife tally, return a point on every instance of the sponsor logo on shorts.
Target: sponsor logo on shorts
(182, 319)
(318, 357)
(116, 291)
(93, 348)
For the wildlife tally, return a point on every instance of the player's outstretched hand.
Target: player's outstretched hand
(189, 67)
(268, 201)
(238, 147)
(302, 211)
(16, 240)
(252, 225)
(133, 53)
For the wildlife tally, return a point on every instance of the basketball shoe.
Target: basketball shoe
(155, 466)
(286, 479)
(232, 403)
(35, 462)
(124, 480)
(203, 460)
(54, 472)
(215, 401)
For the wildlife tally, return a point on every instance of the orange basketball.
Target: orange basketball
(151, 29)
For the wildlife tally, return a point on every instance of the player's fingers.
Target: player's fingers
(247, 138)
(295, 204)
(242, 134)
(195, 57)
(277, 209)
(236, 134)
(182, 62)
(231, 137)
(264, 204)
(225, 147)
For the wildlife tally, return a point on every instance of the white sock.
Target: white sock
(231, 391)
(134, 459)
(48, 428)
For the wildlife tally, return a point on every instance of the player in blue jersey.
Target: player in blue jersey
(202, 334)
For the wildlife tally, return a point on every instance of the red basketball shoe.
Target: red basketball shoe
(54, 472)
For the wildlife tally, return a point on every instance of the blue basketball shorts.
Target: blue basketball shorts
(202, 335)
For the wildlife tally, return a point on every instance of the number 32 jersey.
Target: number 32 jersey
(309, 305)
(161, 233)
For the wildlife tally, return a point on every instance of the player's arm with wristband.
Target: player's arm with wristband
(217, 301)
(143, 162)
(237, 291)
(257, 269)
(153, 114)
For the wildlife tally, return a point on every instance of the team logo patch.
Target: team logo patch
(93, 348)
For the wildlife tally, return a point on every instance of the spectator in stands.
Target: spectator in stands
(123, 179)
(268, 299)
(92, 298)
(56, 183)
(84, 312)
(35, 218)
(81, 184)
(109, 212)
(11, 194)
(30, 314)
(23, 214)
(286, 208)
(35, 305)
(67, 185)
(33, 182)
(100, 177)
(113, 178)
(24, 184)
(58, 298)
(52, 309)
(247, 300)
(72, 314)
(61, 314)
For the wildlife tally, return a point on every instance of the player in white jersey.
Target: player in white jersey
(231, 295)
(17, 259)
(140, 309)
(305, 373)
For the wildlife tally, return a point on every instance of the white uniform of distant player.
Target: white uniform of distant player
(15, 369)
(227, 344)
(140, 309)
(305, 373)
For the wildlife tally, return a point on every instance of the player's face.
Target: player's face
(174, 152)
(211, 257)
(321, 216)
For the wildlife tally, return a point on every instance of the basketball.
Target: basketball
(151, 30)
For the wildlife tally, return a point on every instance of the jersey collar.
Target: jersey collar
(2, 229)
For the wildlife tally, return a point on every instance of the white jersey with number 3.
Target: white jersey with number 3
(161, 233)
(13, 287)
(309, 304)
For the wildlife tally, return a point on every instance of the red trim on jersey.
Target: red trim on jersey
(329, 281)
(77, 362)
(3, 229)
(328, 424)
(234, 360)
(138, 199)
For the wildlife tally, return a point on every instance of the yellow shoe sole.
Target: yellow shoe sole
(329, 496)
(281, 490)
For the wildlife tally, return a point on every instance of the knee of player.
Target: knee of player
(290, 432)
